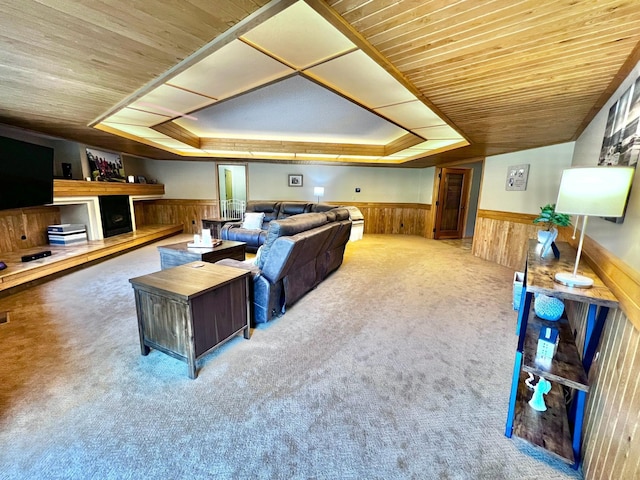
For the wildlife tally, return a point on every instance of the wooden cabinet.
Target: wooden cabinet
(189, 310)
(559, 428)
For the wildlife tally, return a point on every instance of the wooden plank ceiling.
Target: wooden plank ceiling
(511, 75)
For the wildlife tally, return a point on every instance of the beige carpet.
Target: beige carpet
(397, 366)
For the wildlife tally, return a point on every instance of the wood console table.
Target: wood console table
(552, 429)
(189, 310)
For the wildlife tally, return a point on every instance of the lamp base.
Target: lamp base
(571, 280)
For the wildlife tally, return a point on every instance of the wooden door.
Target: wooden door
(451, 206)
(228, 184)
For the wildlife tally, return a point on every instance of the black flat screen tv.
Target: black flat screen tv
(26, 174)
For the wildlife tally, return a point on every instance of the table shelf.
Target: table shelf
(549, 429)
(565, 367)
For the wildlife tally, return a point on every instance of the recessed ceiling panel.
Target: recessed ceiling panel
(299, 36)
(234, 68)
(440, 132)
(138, 131)
(294, 109)
(171, 101)
(411, 115)
(362, 79)
(130, 116)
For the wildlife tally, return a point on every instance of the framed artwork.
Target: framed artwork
(517, 177)
(295, 180)
(621, 143)
(142, 179)
(105, 166)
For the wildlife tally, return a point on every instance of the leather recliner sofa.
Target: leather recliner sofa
(276, 210)
(298, 253)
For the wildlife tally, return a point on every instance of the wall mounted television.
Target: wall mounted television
(26, 174)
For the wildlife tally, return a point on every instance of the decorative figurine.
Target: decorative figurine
(539, 391)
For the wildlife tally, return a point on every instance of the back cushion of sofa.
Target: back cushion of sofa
(341, 213)
(292, 208)
(270, 209)
(288, 227)
(321, 207)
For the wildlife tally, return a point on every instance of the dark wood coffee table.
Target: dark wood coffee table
(179, 253)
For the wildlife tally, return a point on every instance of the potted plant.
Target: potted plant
(550, 220)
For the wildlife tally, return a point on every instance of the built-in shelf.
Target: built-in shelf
(72, 256)
(82, 188)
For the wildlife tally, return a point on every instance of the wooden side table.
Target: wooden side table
(215, 224)
(189, 310)
(569, 368)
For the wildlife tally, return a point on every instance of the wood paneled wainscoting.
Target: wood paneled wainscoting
(612, 420)
(402, 218)
(501, 237)
(188, 213)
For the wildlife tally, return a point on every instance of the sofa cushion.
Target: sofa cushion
(253, 220)
(288, 209)
(288, 227)
(270, 210)
(321, 207)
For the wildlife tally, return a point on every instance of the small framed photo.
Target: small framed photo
(142, 179)
(295, 180)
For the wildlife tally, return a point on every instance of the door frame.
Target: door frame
(232, 164)
(436, 192)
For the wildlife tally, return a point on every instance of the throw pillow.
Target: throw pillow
(253, 220)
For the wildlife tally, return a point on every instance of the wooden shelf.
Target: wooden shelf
(548, 430)
(82, 188)
(565, 367)
(67, 257)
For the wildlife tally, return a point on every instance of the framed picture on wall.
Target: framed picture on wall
(295, 180)
(105, 166)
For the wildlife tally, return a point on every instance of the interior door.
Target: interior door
(451, 205)
(228, 184)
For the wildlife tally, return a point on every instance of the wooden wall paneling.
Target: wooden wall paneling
(394, 218)
(501, 237)
(188, 213)
(31, 222)
(138, 212)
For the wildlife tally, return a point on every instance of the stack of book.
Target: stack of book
(67, 234)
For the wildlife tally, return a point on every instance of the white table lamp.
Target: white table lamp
(318, 192)
(599, 191)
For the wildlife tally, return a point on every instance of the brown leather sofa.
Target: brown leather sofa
(273, 210)
(298, 253)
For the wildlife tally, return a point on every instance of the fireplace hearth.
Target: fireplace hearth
(116, 215)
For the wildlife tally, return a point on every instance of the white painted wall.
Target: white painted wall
(181, 179)
(545, 169)
(619, 239)
(269, 181)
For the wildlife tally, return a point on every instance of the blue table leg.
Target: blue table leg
(515, 380)
(523, 319)
(579, 402)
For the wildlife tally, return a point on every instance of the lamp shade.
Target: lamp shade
(318, 191)
(594, 191)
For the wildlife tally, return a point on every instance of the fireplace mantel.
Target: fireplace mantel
(79, 201)
(82, 188)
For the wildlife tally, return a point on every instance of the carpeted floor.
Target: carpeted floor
(397, 366)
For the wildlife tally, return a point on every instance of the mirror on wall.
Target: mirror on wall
(232, 188)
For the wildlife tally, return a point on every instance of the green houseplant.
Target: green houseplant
(550, 218)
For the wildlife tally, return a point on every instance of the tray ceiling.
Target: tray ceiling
(504, 75)
(292, 86)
